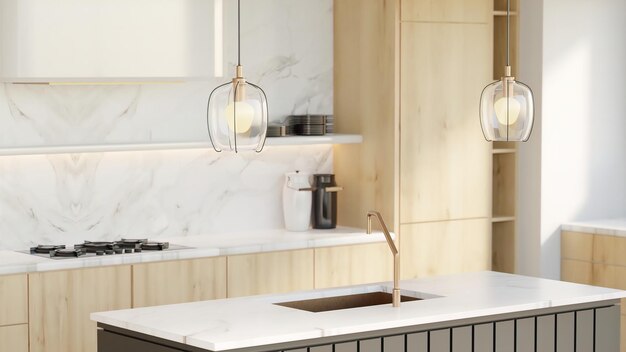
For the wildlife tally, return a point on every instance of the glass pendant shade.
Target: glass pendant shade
(237, 111)
(237, 117)
(507, 111)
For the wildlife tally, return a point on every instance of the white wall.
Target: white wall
(579, 153)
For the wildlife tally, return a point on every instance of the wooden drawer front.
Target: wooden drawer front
(14, 338)
(13, 300)
(276, 272)
(61, 301)
(179, 281)
(353, 265)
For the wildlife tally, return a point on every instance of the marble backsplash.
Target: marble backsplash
(67, 198)
(287, 49)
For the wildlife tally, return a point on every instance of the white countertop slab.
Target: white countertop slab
(203, 246)
(608, 227)
(252, 321)
(12, 262)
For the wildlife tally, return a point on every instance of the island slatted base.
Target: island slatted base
(580, 328)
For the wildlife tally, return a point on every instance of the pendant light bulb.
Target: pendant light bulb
(239, 116)
(507, 110)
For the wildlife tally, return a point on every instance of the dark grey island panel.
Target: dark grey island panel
(580, 328)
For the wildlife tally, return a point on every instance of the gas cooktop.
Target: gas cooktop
(90, 248)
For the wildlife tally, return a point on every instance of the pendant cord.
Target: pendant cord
(508, 20)
(239, 32)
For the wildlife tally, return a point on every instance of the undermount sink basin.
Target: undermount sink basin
(358, 300)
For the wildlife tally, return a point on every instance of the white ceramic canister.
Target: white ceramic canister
(297, 198)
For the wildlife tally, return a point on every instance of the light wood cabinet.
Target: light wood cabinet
(60, 303)
(598, 260)
(353, 265)
(446, 247)
(412, 90)
(276, 272)
(466, 11)
(179, 281)
(13, 300)
(443, 168)
(14, 338)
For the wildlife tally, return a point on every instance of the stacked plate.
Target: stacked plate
(312, 125)
(302, 125)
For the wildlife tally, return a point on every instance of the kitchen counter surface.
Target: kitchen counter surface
(609, 227)
(254, 321)
(12, 262)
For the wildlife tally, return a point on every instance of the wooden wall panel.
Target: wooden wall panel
(353, 265)
(445, 161)
(60, 303)
(276, 272)
(14, 338)
(439, 248)
(179, 281)
(365, 96)
(13, 299)
(468, 11)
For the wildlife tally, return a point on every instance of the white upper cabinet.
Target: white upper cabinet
(109, 40)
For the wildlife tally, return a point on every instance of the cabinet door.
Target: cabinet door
(444, 160)
(14, 338)
(60, 303)
(277, 272)
(179, 281)
(353, 265)
(445, 247)
(13, 300)
(468, 11)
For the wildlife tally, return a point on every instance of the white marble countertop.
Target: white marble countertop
(609, 227)
(253, 321)
(12, 262)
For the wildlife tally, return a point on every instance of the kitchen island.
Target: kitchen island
(484, 311)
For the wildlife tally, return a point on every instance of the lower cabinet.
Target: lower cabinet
(13, 300)
(595, 260)
(60, 303)
(14, 338)
(353, 265)
(275, 272)
(179, 281)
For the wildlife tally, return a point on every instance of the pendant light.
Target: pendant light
(506, 106)
(237, 110)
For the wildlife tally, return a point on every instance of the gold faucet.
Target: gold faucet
(394, 250)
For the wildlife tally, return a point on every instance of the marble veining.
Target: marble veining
(287, 48)
(66, 198)
(252, 321)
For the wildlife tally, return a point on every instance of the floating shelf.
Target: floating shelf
(502, 218)
(99, 148)
(504, 150)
